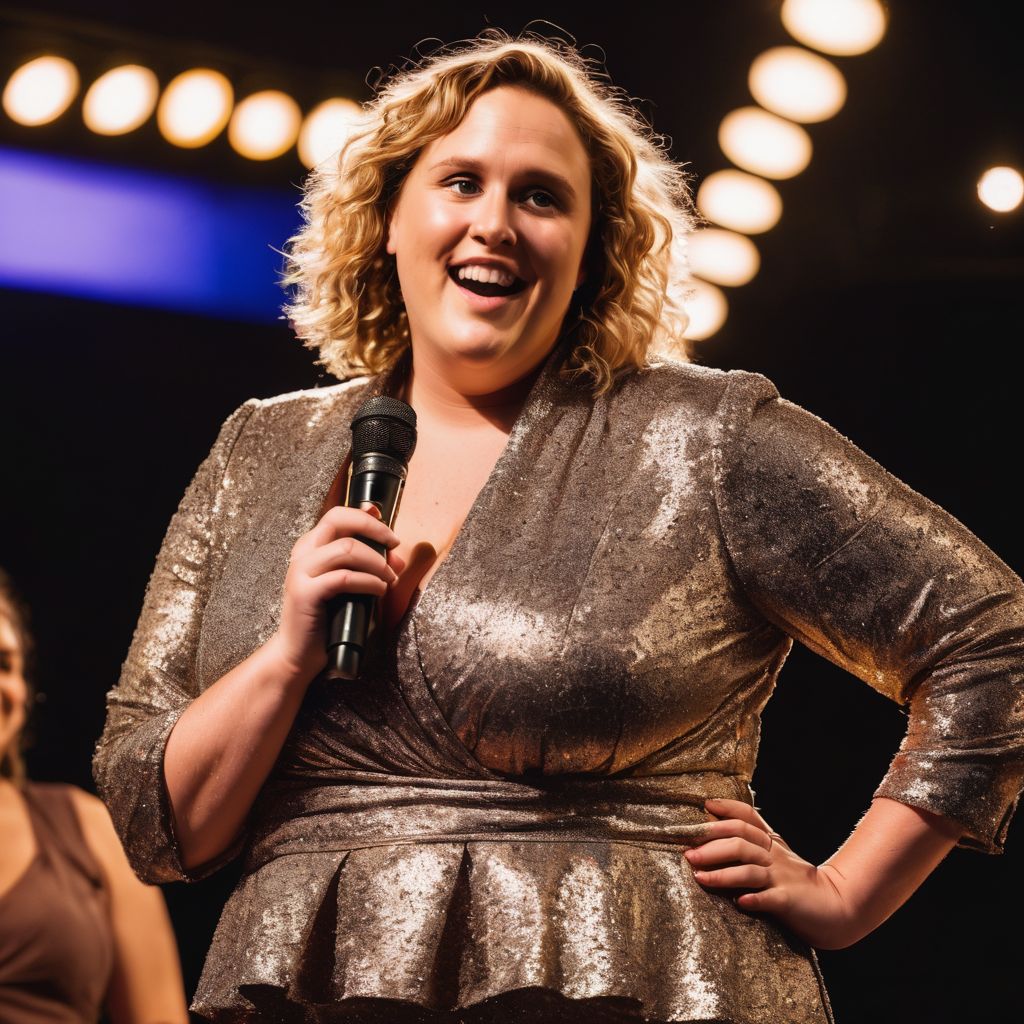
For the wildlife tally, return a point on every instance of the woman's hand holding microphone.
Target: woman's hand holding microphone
(228, 739)
(327, 561)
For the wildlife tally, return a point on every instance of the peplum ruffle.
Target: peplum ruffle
(417, 931)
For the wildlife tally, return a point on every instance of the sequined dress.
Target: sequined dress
(489, 825)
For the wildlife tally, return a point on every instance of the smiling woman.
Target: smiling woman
(79, 933)
(555, 151)
(535, 803)
(458, 236)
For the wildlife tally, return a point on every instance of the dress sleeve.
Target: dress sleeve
(863, 570)
(158, 678)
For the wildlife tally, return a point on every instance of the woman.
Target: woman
(78, 931)
(534, 804)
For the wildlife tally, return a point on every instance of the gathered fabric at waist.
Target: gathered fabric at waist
(298, 814)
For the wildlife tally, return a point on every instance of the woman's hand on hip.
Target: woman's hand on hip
(327, 561)
(739, 851)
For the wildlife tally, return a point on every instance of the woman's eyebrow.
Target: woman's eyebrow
(472, 164)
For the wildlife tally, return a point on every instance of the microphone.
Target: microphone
(383, 440)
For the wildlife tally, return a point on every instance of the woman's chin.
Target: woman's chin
(476, 344)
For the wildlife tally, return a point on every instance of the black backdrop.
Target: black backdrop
(889, 303)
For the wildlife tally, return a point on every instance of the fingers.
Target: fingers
(367, 571)
(349, 553)
(729, 851)
(342, 521)
(723, 808)
(735, 850)
(727, 827)
(739, 876)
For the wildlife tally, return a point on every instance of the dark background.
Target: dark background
(889, 303)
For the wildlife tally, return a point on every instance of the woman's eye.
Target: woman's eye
(548, 200)
(461, 181)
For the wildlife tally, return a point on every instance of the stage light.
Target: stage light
(40, 91)
(723, 257)
(326, 128)
(797, 84)
(120, 100)
(841, 27)
(265, 125)
(742, 202)
(1001, 189)
(764, 143)
(195, 107)
(707, 309)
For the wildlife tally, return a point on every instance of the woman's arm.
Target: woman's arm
(159, 677)
(176, 757)
(146, 985)
(841, 555)
(890, 853)
(224, 745)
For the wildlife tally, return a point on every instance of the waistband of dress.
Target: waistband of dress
(318, 815)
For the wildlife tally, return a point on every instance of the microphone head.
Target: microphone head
(386, 426)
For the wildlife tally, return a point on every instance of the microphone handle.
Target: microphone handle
(350, 617)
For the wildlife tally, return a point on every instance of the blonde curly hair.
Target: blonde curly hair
(347, 303)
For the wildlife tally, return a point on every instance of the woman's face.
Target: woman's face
(509, 186)
(13, 688)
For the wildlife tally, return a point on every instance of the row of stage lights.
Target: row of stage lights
(192, 110)
(792, 86)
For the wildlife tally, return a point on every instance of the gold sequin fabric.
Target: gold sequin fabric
(489, 825)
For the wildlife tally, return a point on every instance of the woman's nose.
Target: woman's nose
(491, 224)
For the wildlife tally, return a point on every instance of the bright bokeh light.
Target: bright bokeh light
(841, 27)
(265, 125)
(764, 143)
(707, 309)
(723, 257)
(326, 128)
(40, 91)
(742, 202)
(1001, 188)
(195, 107)
(120, 100)
(795, 83)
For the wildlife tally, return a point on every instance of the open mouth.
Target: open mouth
(486, 288)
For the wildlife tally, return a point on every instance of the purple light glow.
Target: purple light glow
(140, 238)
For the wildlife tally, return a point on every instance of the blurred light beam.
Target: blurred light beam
(141, 238)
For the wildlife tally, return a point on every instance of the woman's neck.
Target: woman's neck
(438, 400)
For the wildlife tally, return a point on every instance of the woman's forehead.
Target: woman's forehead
(507, 123)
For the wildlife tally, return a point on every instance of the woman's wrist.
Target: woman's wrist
(282, 668)
(889, 854)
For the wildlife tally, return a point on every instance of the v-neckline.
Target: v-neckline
(384, 383)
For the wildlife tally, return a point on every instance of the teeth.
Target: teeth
(488, 275)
